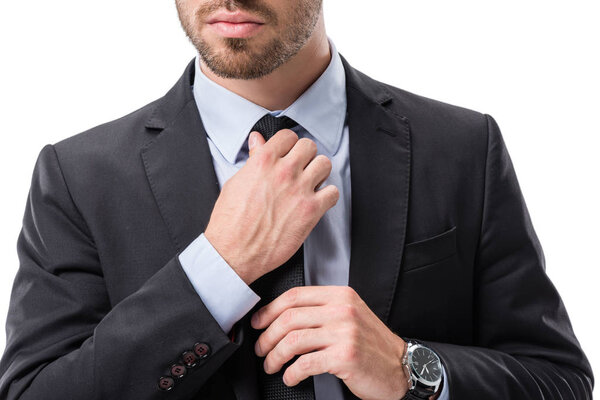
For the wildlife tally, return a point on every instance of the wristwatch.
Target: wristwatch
(424, 369)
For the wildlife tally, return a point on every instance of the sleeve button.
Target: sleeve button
(202, 350)
(178, 371)
(166, 383)
(189, 359)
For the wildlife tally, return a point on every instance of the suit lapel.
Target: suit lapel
(380, 176)
(179, 165)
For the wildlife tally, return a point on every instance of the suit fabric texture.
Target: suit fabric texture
(442, 250)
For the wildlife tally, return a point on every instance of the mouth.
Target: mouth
(235, 25)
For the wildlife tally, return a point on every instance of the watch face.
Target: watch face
(426, 364)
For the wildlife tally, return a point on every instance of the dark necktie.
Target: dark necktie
(273, 284)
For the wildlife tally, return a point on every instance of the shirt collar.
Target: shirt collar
(228, 117)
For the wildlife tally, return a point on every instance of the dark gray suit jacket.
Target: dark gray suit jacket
(442, 250)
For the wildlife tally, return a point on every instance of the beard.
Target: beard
(239, 58)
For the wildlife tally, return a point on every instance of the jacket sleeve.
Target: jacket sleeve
(66, 341)
(524, 346)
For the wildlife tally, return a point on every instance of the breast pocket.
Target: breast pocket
(432, 287)
(429, 251)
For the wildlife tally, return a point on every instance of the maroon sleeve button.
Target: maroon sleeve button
(178, 371)
(189, 359)
(166, 383)
(202, 350)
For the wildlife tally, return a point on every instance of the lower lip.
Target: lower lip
(236, 30)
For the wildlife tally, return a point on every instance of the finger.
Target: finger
(317, 170)
(282, 142)
(289, 320)
(327, 197)
(255, 141)
(299, 296)
(306, 365)
(302, 153)
(296, 342)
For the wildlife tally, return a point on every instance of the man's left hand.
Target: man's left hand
(334, 331)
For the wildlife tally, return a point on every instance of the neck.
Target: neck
(279, 89)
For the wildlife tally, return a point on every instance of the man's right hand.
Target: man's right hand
(267, 209)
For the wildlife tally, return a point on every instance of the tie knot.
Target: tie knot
(269, 125)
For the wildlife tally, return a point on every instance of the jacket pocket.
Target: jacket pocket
(431, 250)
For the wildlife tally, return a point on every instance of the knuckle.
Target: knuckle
(353, 335)
(336, 310)
(287, 316)
(292, 162)
(272, 360)
(304, 141)
(323, 159)
(305, 363)
(292, 295)
(293, 338)
(266, 339)
(267, 151)
(332, 198)
(279, 327)
(277, 354)
(262, 342)
(264, 157)
(310, 144)
(309, 207)
(285, 172)
(349, 292)
(269, 358)
(350, 354)
(335, 195)
(331, 195)
(348, 310)
(289, 133)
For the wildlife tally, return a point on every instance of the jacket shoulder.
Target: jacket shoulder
(421, 109)
(122, 132)
(441, 127)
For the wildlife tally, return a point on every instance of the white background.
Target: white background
(70, 65)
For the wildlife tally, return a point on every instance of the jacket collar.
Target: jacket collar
(321, 109)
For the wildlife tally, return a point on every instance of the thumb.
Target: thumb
(255, 140)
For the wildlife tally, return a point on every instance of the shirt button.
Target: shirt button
(202, 350)
(178, 370)
(189, 359)
(166, 383)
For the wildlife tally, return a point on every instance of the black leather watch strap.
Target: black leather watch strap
(417, 393)
(413, 396)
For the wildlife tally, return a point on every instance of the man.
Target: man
(377, 246)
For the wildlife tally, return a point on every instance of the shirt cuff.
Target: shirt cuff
(445, 394)
(225, 294)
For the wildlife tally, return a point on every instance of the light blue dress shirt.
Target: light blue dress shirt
(228, 119)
